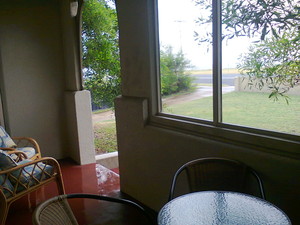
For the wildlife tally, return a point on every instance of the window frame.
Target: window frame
(257, 139)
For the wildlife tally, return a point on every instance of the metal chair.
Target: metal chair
(219, 174)
(57, 210)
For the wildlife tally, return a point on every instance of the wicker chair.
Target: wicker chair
(19, 178)
(57, 210)
(218, 174)
(24, 144)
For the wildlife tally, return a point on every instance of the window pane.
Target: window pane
(258, 60)
(186, 62)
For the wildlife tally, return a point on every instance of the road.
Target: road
(207, 78)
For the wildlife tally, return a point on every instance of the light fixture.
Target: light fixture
(74, 8)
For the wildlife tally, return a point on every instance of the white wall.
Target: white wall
(150, 153)
(41, 81)
(33, 71)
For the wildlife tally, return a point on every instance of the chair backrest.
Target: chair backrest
(57, 211)
(54, 211)
(219, 174)
(5, 139)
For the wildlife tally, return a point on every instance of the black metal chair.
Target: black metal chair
(57, 210)
(218, 174)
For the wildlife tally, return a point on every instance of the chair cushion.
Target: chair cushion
(39, 171)
(27, 176)
(6, 162)
(5, 185)
(6, 141)
(29, 151)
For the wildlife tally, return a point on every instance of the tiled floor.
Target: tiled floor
(91, 178)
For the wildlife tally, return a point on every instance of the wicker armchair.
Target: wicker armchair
(24, 144)
(19, 178)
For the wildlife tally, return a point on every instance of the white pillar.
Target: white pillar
(80, 127)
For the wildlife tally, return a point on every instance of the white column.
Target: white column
(80, 127)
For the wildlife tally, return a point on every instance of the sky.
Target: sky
(176, 28)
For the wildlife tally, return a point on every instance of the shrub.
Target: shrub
(172, 69)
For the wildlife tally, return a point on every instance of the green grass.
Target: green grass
(247, 109)
(101, 110)
(105, 137)
(241, 108)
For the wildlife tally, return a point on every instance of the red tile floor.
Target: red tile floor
(91, 178)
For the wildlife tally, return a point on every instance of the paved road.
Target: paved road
(207, 78)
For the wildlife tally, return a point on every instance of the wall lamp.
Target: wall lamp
(74, 8)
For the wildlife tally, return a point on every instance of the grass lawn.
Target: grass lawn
(247, 109)
(241, 108)
(105, 137)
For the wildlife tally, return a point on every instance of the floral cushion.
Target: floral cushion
(6, 141)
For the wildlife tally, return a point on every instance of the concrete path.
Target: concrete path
(201, 92)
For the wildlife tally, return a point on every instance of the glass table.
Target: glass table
(220, 208)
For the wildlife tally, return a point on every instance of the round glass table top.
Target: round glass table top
(220, 208)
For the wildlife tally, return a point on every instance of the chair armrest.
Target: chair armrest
(28, 142)
(47, 160)
(29, 175)
(18, 156)
(8, 149)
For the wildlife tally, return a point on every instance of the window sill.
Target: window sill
(260, 140)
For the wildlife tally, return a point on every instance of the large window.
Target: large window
(231, 63)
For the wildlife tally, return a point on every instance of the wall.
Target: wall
(33, 72)
(149, 154)
(41, 78)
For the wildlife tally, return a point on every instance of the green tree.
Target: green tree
(173, 76)
(101, 51)
(251, 17)
(272, 61)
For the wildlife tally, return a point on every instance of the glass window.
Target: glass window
(231, 62)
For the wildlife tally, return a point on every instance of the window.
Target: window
(231, 64)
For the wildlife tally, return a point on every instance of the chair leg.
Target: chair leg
(60, 184)
(29, 201)
(33, 198)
